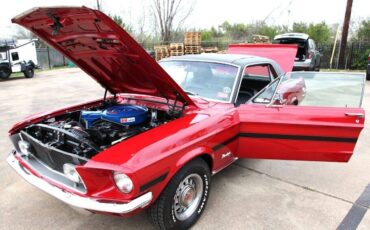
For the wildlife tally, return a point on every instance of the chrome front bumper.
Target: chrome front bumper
(76, 200)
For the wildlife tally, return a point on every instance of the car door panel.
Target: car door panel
(298, 133)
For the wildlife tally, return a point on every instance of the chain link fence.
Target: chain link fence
(49, 58)
(356, 55)
(355, 58)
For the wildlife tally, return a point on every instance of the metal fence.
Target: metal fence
(49, 58)
(355, 58)
(355, 55)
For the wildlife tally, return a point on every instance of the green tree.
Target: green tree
(300, 27)
(261, 28)
(363, 32)
(236, 31)
(118, 19)
(319, 32)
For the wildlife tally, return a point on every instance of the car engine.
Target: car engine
(87, 132)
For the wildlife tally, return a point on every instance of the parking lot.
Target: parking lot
(250, 194)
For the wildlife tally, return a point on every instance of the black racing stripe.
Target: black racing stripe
(298, 137)
(153, 182)
(219, 146)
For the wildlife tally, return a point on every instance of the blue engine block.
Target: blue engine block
(120, 114)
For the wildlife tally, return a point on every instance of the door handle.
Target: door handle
(359, 115)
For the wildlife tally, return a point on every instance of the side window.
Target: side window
(15, 56)
(312, 44)
(258, 72)
(255, 78)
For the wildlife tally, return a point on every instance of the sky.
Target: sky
(207, 13)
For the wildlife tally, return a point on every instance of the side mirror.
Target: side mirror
(289, 92)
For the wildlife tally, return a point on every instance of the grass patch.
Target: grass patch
(343, 70)
(20, 74)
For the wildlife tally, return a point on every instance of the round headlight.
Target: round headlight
(24, 147)
(123, 182)
(70, 171)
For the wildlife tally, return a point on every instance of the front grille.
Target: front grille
(52, 157)
(48, 161)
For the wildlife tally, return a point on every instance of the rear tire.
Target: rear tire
(182, 202)
(29, 72)
(5, 71)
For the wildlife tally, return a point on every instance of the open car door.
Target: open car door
(324, 126)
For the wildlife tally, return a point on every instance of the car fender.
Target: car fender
(201, 151)
(194, 153)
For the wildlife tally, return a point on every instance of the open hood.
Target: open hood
(102, 49)
(284, 55)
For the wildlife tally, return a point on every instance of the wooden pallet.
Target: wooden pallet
(261, 39)
(209, 50)
(192, 38)
(161, 52)
(177, 46)
(176, 53)
(192, 49)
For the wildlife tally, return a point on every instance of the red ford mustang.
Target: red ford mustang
(162, 130)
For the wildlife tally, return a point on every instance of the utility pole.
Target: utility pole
(98, 4)
(343, 43)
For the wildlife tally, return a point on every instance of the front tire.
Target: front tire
(29, 72)
(5, 71)
(183, 200)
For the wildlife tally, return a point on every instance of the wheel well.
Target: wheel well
(208, 159)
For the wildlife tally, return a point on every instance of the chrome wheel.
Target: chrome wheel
(188, 196)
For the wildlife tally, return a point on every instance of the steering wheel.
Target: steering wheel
(249, 92)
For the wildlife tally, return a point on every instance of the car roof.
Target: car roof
(236, 59)
(292, 35)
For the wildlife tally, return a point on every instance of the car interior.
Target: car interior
(255, 78)
(303, 46)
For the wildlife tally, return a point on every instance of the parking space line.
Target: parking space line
(357, 211)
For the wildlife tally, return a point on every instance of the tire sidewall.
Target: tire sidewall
(172, 221)
(7, 75)
(29, 72)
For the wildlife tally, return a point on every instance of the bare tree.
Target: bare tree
(167, 13)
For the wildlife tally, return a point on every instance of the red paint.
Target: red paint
(101, 48)
(299, 121)
(283, 54)
(206, 129)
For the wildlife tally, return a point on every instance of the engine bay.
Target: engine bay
(87, 132)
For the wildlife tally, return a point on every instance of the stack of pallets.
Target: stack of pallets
(210, 50)
(176, 49)
(192, 42)
(161, 52)
(261, 39)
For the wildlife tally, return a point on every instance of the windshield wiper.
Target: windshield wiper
(191, 93)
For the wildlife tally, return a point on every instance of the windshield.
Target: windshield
(213, 81)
